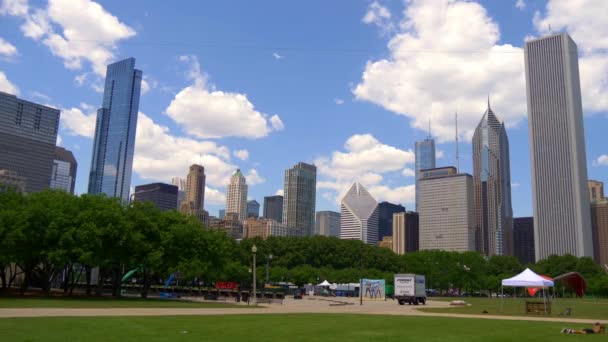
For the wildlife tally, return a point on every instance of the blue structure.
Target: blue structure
(114, 142)
(425, 159)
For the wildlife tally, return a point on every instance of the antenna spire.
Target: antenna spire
(488, 101)
(457, 156)
(430, 134)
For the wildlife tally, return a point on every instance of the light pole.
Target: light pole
(254, 250)
(268, 258)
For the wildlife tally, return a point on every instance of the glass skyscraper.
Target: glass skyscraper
(63, 175)
(425, 159)
(300, 198)
(114, 142)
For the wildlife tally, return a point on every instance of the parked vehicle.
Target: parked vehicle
(297, 294)
(410, 288)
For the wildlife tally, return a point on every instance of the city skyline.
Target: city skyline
(264, 151)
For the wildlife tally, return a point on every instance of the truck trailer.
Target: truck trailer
(410, 288)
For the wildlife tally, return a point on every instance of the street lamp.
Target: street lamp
(254, 250)
(268, 258)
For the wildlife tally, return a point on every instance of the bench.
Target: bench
(538, 308)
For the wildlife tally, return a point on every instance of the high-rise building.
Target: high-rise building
(236, 196)
(222, 213)
(359, 216)
(195, 190)
(273, 208)
(180, 183)
(231, 225)
(63, 175)
(385, 218)
(492, 187)
(386, 242)
(10, 181)
(562, 222)
(425, 159)
(300, 198)
(405, 232)
(523, 239)
(599, 224)
(161, 195)
(255, 227)
(253, 209)
(596, 191)
(114, 142)
(447, 213)
(28, 132)
(327, 223)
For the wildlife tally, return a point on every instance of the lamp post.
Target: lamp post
(254, 250)
(268, 258)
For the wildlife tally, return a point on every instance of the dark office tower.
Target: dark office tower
(273, 208)
(28, 132)
(327, 223)
(63, 175)
(425, 159)
(299, 199)
(114, 142)
(492, 187)
(406, 235)
(386, 211)
(562, 222)
(163, 196)
(253, 208)
(523, 239)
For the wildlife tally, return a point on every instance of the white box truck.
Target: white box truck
(410, 288)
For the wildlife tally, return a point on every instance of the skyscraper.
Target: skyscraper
(523, 239)
(405, 232)
(327, 223)
(195, 190)
(253, 209)
(385, 218)
(114, 141)
(599, 222)
(300, 198)
(273, 208)
(163, 196)
(558, 158)
(222, 213)
(63, 175)
(425, 159)
(180, 183)
(359, 215)
(236, 196)
(28, 132)
(447, 213)
(492, 187)
(596, 191)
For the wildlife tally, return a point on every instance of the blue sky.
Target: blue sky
(348, 85)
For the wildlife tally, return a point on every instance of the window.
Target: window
(37, 118)
(19, 115)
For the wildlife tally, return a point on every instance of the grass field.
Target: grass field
(581, 308)
(304, 327)
(103, 302)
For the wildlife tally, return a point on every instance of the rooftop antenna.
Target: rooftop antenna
(430, 134)
(457, 159)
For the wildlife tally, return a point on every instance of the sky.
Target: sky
(348, 85)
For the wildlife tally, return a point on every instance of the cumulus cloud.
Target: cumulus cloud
(6, 85)
(277, 56)
(279, 192)
(441, 46)
(407, 172)
(378, 15)
(521, 4)
(601, 160)
(145, 87)
(254, 178)
(7, 49)
(366, 160)
(241, 154)
(74, 30)
(75, 122)
(204, 112)
(59, 140)
(585, 21)
(214, 197)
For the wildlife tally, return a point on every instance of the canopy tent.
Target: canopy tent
(324, 283)
(574, 281)
(527, 278)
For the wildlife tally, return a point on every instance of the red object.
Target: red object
(225, 285)
(533, 290)
(574, 281)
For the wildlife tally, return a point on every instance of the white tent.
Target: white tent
(527, 278)
(324, 283)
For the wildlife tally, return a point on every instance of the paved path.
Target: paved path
(290, 306)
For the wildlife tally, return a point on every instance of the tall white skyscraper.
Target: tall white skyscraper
(179, 182)
(359, 216)
(236, 196)
(558, 157)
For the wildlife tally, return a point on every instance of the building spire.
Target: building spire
(430, 134)
(488, 102)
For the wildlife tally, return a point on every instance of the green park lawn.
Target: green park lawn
(300, 327)
(592, 308)
(103, 302)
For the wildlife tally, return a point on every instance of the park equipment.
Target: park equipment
(130, 274)
(164, 294)
(410, 288)
(528, 278)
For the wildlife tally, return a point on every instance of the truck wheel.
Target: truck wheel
(415, 301)
(423, 301)
(401, 302)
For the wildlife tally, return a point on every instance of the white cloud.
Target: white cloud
(241, 154)
(7, 49)
(601, 160)
(585, 21)
(277, 56)
(407, 172)
(380, 16)
(254, 178)
(205, 112)
(41, 96)
(145, 87)
(6, 85)
(521, 4)
(59, 140)
(75, 122)
(442, 46)
(514, 185)
(439, 154)
(279, 192)
(74, 30)
(338, 101)
(214, 197)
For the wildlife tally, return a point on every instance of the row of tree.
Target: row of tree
(53, 235)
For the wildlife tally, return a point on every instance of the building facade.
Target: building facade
(385, 218)
(195, 190)
(447, 212)
(599, 224)
(596, 191)
(523, 239)
(558, 160)
(405, 232)
(253, 209)
(299, 199)
(222, 213)
(386, 242)
(231, 225)
(327, 223)
(63, 175)
(28, 132)
(161, 195)
(180, 183)
(114, 142)
(10, 181)
(236, 196)
(492, 187)
(359, 216)
(256, 227)
(273, 208)
(425, 159)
